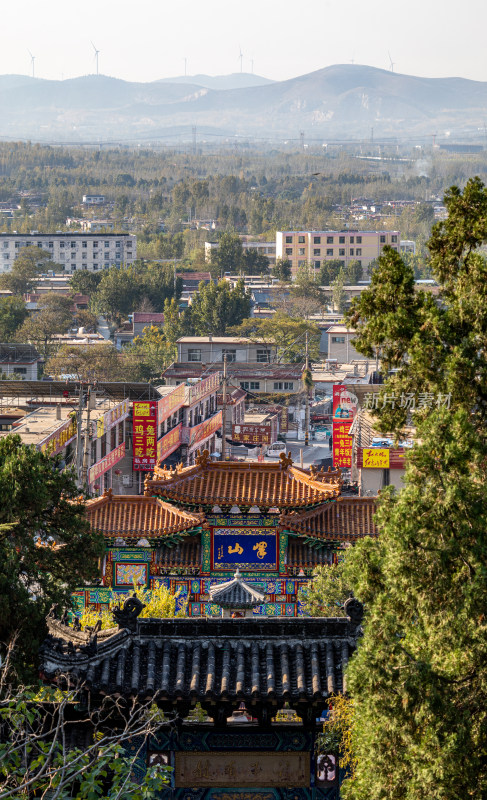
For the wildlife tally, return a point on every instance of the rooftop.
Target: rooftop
(221, 340)
(269, 485)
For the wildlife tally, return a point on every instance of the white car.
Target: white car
(275, 449)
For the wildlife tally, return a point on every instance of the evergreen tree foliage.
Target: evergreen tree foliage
(419, 679)
(217, 306)
(47, 550)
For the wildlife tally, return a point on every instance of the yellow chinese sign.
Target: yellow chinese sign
(242, 769)
(375, 458)
(58, 440)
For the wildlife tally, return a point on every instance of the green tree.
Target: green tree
(93, 362)
(47, 551)
(229, 256)
(151, 352)
(287, 333)
(353, 272)
(217, 306)
(282, 270)
(122, 291)
(54, 317)
(85, 282)
(254, 263)
(329, 270)
(22, 278)
(12, 314)
(338, 294)
(418, 679)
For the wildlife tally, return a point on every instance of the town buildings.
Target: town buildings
(314, 247)
(72, 251)
(21, 360)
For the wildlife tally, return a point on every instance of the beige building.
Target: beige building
(211, 349)
(72, 251)
(340, 347)
(314, 247)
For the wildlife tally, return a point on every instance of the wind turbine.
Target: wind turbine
(32, 59)
(96, 56)
(241, 58)
(391, 62)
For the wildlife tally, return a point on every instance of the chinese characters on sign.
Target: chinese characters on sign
(252, 434)
(254, 548)
(56, 441)
(145, 436)
(344, 409)
(170, 402)
(106, 463)
(381, 458)
(242, 769)
(408, 400)
(203, 387)
(111, 418)
(342, 445)
(205, 429)
(168, 443)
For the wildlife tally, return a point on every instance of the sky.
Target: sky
(144, 40)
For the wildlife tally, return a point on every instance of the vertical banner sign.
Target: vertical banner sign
(145, 436)
(344, 409)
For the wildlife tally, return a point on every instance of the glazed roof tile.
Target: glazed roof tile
(348, 519)
(245, 483)
(138, 516)
(213, 661)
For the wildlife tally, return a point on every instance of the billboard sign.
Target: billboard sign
(145, 435)
(106, 463)
(168, 443)
(252, 434)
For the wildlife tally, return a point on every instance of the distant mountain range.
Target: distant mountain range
(340, 102)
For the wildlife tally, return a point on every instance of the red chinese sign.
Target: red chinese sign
(205, 429)
(106, 463)
(198, 390)
(342, 445)
(168, 443)
(252, 434)
(396, 460)
(344, 409)
(145, 435)
(170, 402)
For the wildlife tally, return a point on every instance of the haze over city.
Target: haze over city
(153, 40)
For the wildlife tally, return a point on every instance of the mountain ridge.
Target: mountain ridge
(342, 100)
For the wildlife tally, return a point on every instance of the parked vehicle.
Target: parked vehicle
(275, 449)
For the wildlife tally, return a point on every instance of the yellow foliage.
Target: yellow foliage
(158, 602)
(338, 733)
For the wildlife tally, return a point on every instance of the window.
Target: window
(128, 245)
(358, 251)
(316, 251)
(283, 386)
(73, 245)
(359, 262)
(62, 257)
(329, 252)
(301, 239)
(359, 240)
(73, 255)
(50, 244)
(39, 244)
(95, 266)
(230, 354)
(263, 356)
(107, 244)
(85, 244)
(341, 251)
(21, 370)
(394, 239)
(117, 244)
(61, 244)
(382, 239)
(289, 239)
(329, 239)
(317, 264)
(301, 251)
(351, 240)
(6, 256)
(317, 240)
(351, 251)
(338, 340)
(289, 251)
(341, 240)
(251, 385)
(85, 255)
(194, 355)
(95, 244)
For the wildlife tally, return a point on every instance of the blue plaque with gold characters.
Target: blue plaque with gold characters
(248, 549)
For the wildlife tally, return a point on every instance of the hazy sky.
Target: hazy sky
(144, 40)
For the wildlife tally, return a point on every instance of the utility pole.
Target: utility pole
(306, 389)
(79, 425)
(86, 450)
(224, 409)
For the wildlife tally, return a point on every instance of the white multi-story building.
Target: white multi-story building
(314, 247)
(72, 251)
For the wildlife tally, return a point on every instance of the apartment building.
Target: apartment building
(314, 247)
(72, 251)
(213, 349)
